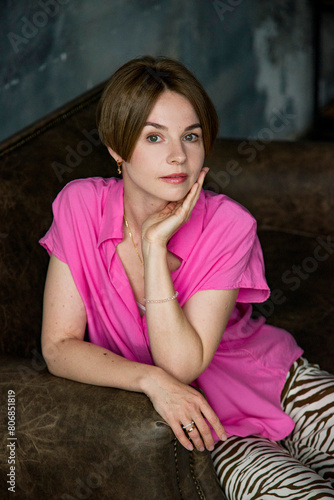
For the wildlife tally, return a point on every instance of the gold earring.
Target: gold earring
(119, 166)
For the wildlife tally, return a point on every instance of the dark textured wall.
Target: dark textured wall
(253, 56)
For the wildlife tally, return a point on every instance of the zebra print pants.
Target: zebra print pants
(301, 467)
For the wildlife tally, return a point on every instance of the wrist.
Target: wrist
(148, 381)
(154, 249)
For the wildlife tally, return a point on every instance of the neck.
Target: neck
(138, 208)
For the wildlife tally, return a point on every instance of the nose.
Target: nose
(176, 153)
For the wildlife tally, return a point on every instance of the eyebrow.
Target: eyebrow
(162, 127)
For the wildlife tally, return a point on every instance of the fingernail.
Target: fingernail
(201, 448)
(211, 448)
(224, 437)
(190, 447)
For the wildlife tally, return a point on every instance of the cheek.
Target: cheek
(137, 159)
(142, 164)
(197, 157)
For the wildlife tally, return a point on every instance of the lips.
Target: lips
(176, 178)
(175, 175)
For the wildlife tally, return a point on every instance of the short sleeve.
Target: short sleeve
(242, 268)
(228, 254)
(71, 230)
(53, 240)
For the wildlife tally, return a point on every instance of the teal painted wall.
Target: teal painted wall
(254, 57)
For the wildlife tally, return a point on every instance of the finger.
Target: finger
(185, 207)
(183, 211)
(199, 183)
(199, 432)
(195, 436)
(204, 431)
(215, 423)
(202, 175)
(191, 199)
(182, 437)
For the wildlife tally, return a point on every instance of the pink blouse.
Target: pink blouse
(218, 249)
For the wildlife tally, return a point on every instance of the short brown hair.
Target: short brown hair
(132, 92)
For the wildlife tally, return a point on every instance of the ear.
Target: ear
(114, 154)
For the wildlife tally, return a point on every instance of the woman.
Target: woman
(162, 273)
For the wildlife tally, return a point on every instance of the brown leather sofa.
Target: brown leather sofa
(75, 441)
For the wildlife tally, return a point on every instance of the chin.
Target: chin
(177, 194)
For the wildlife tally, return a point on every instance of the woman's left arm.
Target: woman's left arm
(183, 341)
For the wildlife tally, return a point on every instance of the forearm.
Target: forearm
(176, 347)
(88, 363)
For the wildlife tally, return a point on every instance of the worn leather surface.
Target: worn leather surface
(302, 301)
(80, 441)
(288, 186)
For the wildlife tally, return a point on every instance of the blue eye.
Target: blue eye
(191, 137)
(153, 138)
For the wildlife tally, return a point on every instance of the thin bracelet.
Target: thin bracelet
(162, 300)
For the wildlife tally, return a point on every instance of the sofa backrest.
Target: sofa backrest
(34, 166)
(286, 185)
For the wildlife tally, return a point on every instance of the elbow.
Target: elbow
(184, 371)
(184, 366)
(50, 354)
(186, 377)
(53, 368)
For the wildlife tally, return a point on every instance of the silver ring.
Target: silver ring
(190, 430)
(185, 426)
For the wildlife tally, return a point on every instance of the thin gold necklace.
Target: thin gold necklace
(129, 231)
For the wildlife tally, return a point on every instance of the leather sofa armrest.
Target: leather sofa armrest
(80, 441)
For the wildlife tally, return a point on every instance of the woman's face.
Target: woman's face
(169, 153)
